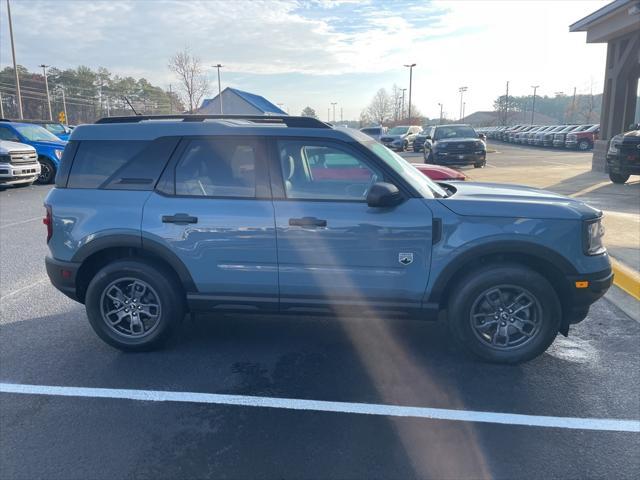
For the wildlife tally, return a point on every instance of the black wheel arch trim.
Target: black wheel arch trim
(123, 240)
(507, 247)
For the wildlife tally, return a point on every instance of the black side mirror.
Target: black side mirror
(383, 194)
(427, 137)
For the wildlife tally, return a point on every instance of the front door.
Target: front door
(335, 250)
(214, 211)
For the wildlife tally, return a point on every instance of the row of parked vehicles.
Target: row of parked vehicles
(30, 151)
(576, 137)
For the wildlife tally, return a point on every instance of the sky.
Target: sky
(314, 52)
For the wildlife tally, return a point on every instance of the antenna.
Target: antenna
(129, 103)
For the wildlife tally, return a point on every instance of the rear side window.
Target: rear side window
(218, 167)
(120, 165)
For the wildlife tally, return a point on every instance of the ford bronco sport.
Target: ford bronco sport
(153, 217)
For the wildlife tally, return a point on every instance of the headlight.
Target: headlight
(58, 154)
(5, 159)
(594, 232)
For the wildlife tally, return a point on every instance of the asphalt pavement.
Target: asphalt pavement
(377, 364)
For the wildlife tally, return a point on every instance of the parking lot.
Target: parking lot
(313, 397)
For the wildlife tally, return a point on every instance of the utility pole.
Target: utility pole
(461, 90)
(46, 86)
(464, 104)
(506, 106)
(329, 114)
(533, 106)
(440, 122)
(15, 65)
(573, 105)
(1, 107)
(402, 108)
(64, 106)
(340, 114)
(333, 104)
(170, 99)
(218, 66)
(410, 67)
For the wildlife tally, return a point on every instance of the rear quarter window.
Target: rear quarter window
(120, 165)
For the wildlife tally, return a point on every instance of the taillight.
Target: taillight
(48, 221)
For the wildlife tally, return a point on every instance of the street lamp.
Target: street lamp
(219, 66)
(462, 90)
(333, 104)
(410, 67)
(402, 108)
(440, 122)
(46, 85)
(533, 106)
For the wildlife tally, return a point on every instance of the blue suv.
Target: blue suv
(154, 217)
(48, 147)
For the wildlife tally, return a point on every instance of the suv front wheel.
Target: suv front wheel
(133, 305)
(505, 313)
(47, 171)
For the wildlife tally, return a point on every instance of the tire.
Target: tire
(428, 157)
(48, 171)
(160, 289)
(584, 145)
(618, 177)
(534, 328)
(479, 165)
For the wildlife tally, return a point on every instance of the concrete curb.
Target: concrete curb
(626, 278)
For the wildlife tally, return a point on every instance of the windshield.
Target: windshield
(35, 133)
(398, 130)
(455, 131)
(423, 184)
(55, 128)
(371, 131)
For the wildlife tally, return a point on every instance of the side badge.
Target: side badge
(405, 258)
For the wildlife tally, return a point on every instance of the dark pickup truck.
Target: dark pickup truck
(623, 157)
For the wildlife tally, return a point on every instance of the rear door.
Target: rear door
(333, 249)
(212, 208)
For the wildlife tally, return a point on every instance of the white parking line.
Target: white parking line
(27, 287)
(13, 224)
(327, 406)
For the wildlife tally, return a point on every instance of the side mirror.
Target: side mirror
(383, 194)
(427, 137)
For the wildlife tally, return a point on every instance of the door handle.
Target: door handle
(179, 218)
(307, 222)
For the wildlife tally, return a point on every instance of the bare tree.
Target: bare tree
(193, 81)
(380, 108)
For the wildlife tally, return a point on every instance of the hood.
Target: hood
(8, 146)
(61, 144)
(394, 137)
(501, 200)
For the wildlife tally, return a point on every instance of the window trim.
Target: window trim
(354, 148)
(263, 183)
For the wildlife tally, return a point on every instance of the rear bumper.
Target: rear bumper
(63, 276)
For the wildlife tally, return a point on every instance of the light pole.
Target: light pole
(533, 106)
(464, 104)
(440, 122)
(46, 86)
(402, 107)
(15, 65)
(333, 104)
(461, 90)
(410, 67)
(219, 66)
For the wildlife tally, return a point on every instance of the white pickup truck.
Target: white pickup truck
(18, 164)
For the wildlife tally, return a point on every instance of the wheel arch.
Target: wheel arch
(101, 251)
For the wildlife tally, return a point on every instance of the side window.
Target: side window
(320, 171)
(218, 167)
(96, 161)
(8, 134)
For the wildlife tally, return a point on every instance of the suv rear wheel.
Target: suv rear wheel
(133, 305)
(618, 177)
(505, 313)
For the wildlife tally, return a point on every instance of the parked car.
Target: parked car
(440, 172)
(539, 138)
(400, 138)
(47, 145)
(530, 136)
(18, 164)
(519, 136)
(454, 145)
(152, 219)
(374, 132)
(560, 138)
(583, 140)
(623, 156)
(547, 137)
(60, 130)
(418, 141)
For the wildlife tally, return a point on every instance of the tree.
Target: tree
(193, 82)
(380, 108)
(309, 112)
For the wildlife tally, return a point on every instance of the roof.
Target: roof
(257, 101)
(583, 24)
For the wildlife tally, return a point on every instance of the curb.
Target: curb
(626, 278)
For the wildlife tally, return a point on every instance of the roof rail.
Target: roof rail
(289, 121)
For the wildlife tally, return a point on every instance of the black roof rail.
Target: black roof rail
(289, 121)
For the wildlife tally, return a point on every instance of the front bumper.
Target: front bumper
(571, 144)
(558, 143)
(63, 276)
(445, 158)
(576, 305)
(623, 166)
(11, 174)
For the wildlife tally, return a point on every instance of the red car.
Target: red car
(438, 172)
